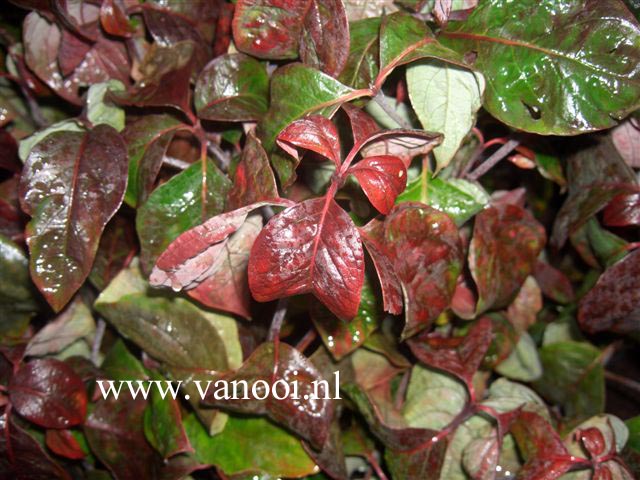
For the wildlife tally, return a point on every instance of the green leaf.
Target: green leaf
(554, 67)
(188, 340)
(445, 98)
(17, 301)
(362, 63)
(120, 364)
(101, 112)
(147, 138)
(458, 198)
(177, 206)
(232, 87)
(31, 141)
(163, 424)
(316, 92)
(573, 377)
(250, 445)
(523, 363)
(433, 399)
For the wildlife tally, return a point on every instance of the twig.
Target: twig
(97, 340)
(383, 101)
(402, 390)
(175, 162)
(622, 380)
(220, 155)
(376, 467)
(305, 341)
(278, 319)
(493, 160)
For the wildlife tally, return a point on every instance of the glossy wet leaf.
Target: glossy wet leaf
(361, 66)
(48, 392)
(458, 198)
(381, 178)
(565, 71)
(117, 247)
(315, 133)
(503, 252)
(26, 144)
(210, 261)
(253, 180)
(307, 412)
(63, 443)
(232, 87)
(79, 180)
(312, 247)
(460, 356)
(342, 338)
(573, 377)
(446, 98)
(273, 450)
(186, 200)
(613, 302)
(318, 92)
(623, 211)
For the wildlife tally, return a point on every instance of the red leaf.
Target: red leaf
(593, 441)
(9, 152)
(373, 238)
(503, 252)
(546, 456)
(553, 283)
(48, 392)
(382, 179)
(427, 255)
(325, 41)
(623, 211)
(113, 19)
(362, 124)
(312, 247)
(460, 356)
(254, 180)
(614, 301)
(210, 260)
(269, 28)
(307, 416)
(63, 443)
(315, 133)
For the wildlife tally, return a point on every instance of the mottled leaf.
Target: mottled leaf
(72, 185)
(232, 87)
(555, 73)
(312, 247)
(503, 252)
(48, 392)
(614, 302)
(553, 283)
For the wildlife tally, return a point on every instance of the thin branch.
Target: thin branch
(376, 467)
(305, 341)
(383, 101)
(223, 158)
(402, 390)
(622, 380)
(175, 162)
(278, 319)
(493, 160)
(97, 341)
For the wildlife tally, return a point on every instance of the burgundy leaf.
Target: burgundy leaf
(331, 458)
(460, 356)
(22, 457)
(553, 283)
(79, 17)
(114, 430)
(73, 49)
(623, 211)
(72, 184)
(307, 415)
(113, 19)
(325, 39)
(362, 124)
(614, 301)
(117, 247)
(523, 311)
(166, 73)
(315, 133)
(312, 247)
(269, 28)
(593, 441)
(382, 179)
(254, 180)
(546, 456)
(382, 256)
(405, 144)
(63, 443)
(9, 152)
(503, 252)
(427, 255)
(49, 393)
